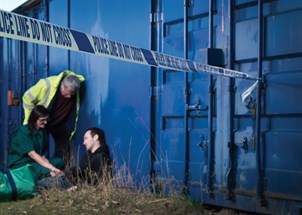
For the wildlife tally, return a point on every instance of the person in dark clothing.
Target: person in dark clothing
(97, 164)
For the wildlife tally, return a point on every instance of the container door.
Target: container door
(181, 98)
(22, 65)
(10, 82)
(273, 170)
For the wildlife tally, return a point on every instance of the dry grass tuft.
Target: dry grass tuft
(118, 195)
(103, 199)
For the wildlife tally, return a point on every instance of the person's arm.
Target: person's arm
(45, 163)
(32, 97)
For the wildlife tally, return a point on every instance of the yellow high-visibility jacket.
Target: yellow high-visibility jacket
(43, 92)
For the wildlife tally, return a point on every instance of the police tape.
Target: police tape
(27, 29)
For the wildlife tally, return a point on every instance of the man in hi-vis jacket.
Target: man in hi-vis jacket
(61, 96)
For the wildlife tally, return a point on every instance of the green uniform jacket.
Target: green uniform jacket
(25, 141)
(43, 92)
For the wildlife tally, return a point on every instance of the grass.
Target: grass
(118, 195)
(103, 199)
(112, 196)
(108, 200)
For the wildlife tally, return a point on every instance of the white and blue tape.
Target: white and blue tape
(27, 29)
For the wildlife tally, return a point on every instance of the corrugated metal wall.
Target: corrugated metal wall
(226, 152)
(116, 93)
(189, 130)
(280, 138)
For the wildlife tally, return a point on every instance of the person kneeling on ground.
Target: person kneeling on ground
(97, 164)
(30, 144)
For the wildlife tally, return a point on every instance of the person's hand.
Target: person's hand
(56, 172)
(52, 174)
(60, 173)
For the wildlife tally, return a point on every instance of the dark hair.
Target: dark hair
(37, 112)
(97, 131)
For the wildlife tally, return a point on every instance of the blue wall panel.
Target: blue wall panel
(117, 93)
(249, 29)
(238, 2)
(4, 66)
(284, 33)
(172, 156)
(58, 58)
(287, 88)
